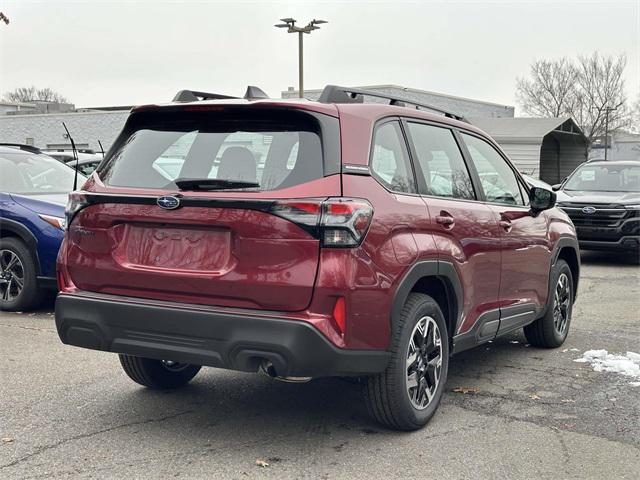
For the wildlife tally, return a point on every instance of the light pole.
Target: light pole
(290, 25)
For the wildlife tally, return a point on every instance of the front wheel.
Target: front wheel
(550, 330)
(407, 394)
(158, 374)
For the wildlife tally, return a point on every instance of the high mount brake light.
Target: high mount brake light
(337, 222)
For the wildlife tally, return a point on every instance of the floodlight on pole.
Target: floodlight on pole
(290, 25)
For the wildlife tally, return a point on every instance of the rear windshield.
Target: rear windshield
(273, 148)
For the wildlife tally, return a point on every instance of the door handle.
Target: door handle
(506, 224)
(445, 220)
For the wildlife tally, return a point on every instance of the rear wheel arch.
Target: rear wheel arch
(440, 281)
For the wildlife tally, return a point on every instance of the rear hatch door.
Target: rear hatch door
(141, 234)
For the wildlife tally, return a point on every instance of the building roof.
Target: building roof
(525, 129)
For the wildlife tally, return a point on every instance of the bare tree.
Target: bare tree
(601, 92)
(33, 94)
(550, 90)
(585, 89)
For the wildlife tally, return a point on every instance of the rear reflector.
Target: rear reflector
(340, 314)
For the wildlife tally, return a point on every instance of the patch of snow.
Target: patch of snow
(514, 341)
(603, 361)
(634, 384)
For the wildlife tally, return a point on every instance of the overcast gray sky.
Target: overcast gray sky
(137, 51)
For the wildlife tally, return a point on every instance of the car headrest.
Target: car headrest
(237, 163)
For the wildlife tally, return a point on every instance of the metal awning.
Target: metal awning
(525, 130)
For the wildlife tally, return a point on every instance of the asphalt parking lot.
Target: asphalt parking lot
(67, 412)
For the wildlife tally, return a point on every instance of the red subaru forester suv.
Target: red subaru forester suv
(309, 239)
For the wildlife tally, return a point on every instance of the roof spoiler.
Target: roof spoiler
(336, 94)
(252, 93)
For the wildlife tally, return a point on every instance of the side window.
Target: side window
(390, 160)
(498, 181)
(441, 162)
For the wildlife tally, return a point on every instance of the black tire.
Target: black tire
(157, 374)
(544, 332)
(386, 394)
(30, 293)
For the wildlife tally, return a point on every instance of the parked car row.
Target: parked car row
(87, 162)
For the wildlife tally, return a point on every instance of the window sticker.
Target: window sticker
(588, 175)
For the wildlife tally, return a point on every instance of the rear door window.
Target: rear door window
(390, 162)
(441, 162)
(274, 150)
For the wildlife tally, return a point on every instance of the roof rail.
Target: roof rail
(336, 94)
(21, 146)
(252, 93)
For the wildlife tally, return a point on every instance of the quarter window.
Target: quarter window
(390, 160)
(498, 180)
(441, 163)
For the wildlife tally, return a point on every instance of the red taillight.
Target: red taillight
(339, 208)
(76, 202)
(340, 314)
(345, 222)
(302, 213)
(337, 222)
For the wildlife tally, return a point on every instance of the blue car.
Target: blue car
(33, 195)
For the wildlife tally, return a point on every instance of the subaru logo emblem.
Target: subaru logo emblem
(588, 210)
(168, 202)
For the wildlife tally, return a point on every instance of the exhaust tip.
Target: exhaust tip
(267, 368)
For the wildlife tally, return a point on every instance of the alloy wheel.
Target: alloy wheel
(11, 275)
(562, 304)
(424, 362)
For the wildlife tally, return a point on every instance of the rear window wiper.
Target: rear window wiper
(212, 184)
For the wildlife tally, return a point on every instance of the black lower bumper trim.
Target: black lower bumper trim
(203, 337)
(624, 243)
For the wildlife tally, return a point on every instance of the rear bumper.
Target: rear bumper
(628, 243)
(202, 336)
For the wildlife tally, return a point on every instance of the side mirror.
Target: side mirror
(541, 199)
